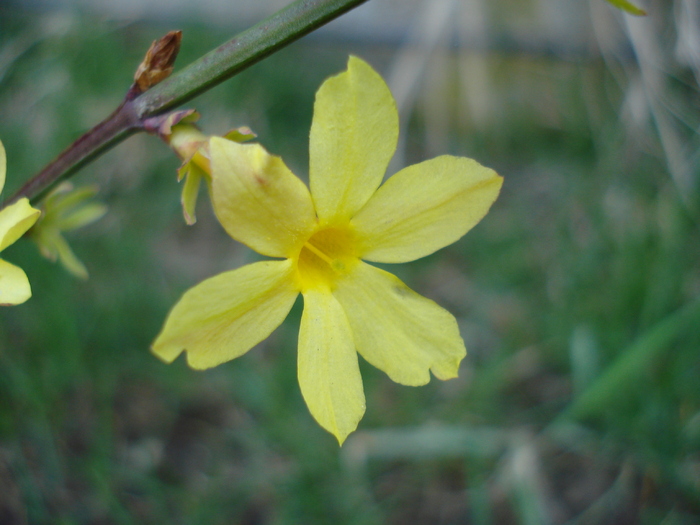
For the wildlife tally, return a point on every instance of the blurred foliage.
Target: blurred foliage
(579, 401)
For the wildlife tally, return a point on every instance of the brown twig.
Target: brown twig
(125, 120)
(145, 99)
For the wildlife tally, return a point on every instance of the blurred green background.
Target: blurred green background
(577, 295)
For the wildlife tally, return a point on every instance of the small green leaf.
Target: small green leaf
(68, 259)
(626, 6)
(81, 216)
(65, 196)
(66, 209)
(45, 240)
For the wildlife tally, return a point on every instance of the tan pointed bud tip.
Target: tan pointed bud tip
(158, 62)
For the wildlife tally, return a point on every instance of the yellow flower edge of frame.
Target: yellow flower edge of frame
(15, 220)
(322, 237)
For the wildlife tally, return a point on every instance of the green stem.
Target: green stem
(282, 28)
(247, 48)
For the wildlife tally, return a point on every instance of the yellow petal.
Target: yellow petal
(425, 207)
(258, 200)
(3, 165)
(14, 285)
(329, 375)
(15, 220)
(398, 331)
(225, 316)
(353, 137)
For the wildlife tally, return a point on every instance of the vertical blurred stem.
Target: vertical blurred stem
(625, 373)
(282, 28)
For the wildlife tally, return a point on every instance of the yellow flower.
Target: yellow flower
(15, 220)
(322, 236)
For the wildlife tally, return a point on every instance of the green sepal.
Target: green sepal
(242, 134)
(65, 209)
(54, 247)
(193, 175)
(82, 216)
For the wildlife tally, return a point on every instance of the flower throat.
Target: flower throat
(326, 256)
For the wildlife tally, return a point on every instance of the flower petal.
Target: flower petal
(329, 375)
(15, 220)
(398, 331)
(425, 207)
(258, 200)
(3, 166)
(14, 285)
(353, 137)
(225, 316)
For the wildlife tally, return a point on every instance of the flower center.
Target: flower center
(327, 255)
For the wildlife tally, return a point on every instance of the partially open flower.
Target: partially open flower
(192, 146)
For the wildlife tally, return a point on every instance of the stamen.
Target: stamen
(319, 253)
